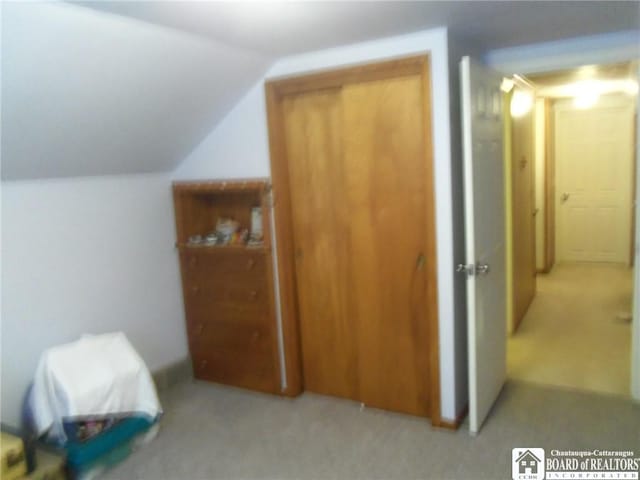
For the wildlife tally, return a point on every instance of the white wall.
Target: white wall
(238, 147)
(87, 255)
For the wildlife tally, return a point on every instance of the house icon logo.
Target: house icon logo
(527, 463)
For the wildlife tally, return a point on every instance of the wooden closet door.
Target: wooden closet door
(357, 172)
(321, 217)
(384, 158)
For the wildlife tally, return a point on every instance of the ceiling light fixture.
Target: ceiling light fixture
(521, 103)
(507, 85)
(631, 87)
(586, 94)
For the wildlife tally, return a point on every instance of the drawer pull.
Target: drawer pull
(256, 335)
(195, 289)
(203, 364)
(251, 263)
(199, 329)
(253, 294)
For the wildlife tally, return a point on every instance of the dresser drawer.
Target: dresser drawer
(230, 336)
(214, 294)
(208, 314)
(203, 278)
(254, 370)
(204, 262)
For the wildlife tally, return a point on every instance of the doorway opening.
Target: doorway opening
(570, 141)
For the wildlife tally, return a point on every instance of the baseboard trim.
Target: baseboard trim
(457, 422)
(173, 374)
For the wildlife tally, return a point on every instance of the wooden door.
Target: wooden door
(357, 174)
(594, 152)
(385, 171)
(523, 211)
(321, 218)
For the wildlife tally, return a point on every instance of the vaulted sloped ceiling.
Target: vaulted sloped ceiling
(91, 93)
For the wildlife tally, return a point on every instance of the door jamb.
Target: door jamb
(275, 91)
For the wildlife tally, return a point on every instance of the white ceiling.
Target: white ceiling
(283, 28)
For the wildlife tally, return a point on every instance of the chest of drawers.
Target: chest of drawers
(228, 290)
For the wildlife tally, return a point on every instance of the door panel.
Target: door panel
(321, 217)
(594, 181)
(485, 236)
(385, 171)
(523, 231)
(357, 174)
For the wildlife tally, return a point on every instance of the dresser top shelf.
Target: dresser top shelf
(221, 248)
(200, 205)
(222, 186)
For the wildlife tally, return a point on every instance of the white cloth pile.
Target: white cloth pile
(98, 375)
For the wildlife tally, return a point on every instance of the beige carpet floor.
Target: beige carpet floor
(215, 432)
(572, 335)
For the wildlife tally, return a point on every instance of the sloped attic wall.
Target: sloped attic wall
(91, 93)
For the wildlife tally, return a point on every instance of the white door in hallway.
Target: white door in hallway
(594, 178)
(485, 237)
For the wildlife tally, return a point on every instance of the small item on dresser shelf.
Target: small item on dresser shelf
(211, 239)
(256, 223)
(195, 240)
(255, 243)
(240, 237)
(225, 228)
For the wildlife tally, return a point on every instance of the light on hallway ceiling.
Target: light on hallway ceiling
(521, 103)
(631, 87)
(586, 95)
(506, 85)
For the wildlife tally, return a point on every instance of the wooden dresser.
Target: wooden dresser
(228, 289)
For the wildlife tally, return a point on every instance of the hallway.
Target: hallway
(574, 334)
